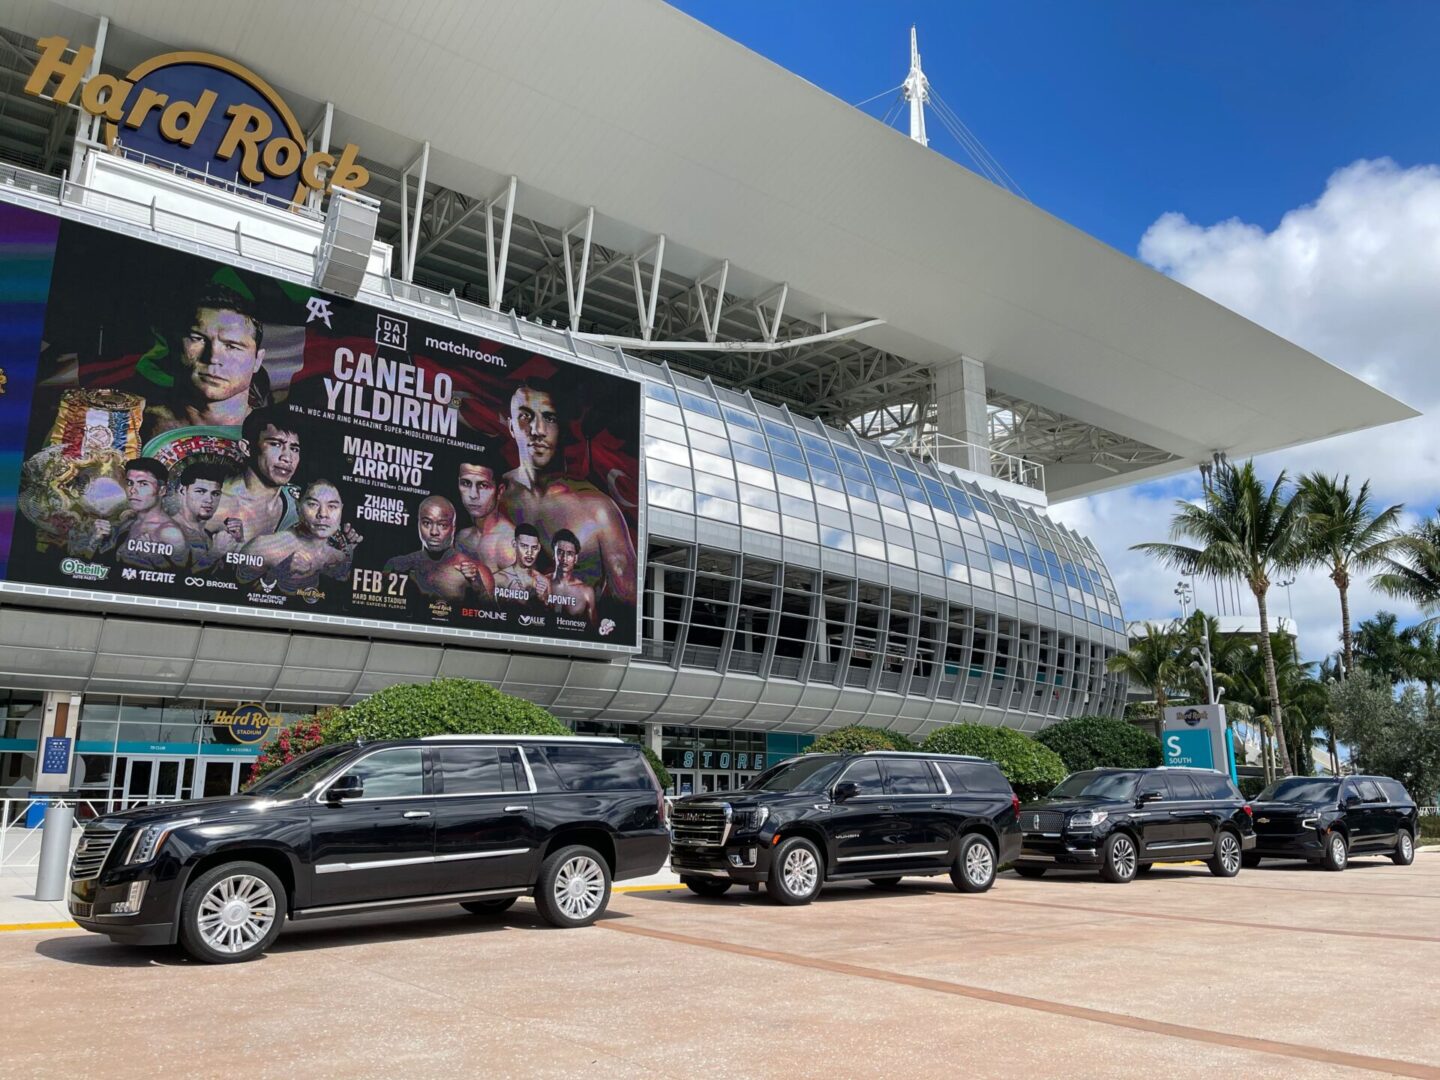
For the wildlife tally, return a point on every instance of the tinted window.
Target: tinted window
(1154, 782)
(1213, 785)
(391, 774)
(300, 775)
(1182, 786)
(964, 776)
(910, 777)
(1097, 785)
(474, 770)
(598, 768)
(1300, 789)
(866, 773)
(1370, 792)
(809, 773)
(1395, 790)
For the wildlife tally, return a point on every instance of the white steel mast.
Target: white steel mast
(917, 91)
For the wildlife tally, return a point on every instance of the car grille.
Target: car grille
(700, 826)
(95, 845)
(1041, 821)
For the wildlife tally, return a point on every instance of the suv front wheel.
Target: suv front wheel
(231, 913)
(1121, 861)
(1337, 852)
(573, 888)
(974, 870)
(796, 872)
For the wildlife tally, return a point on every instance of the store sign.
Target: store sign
(203, 111)
(246, 724)
(177, 427)
(713, 759)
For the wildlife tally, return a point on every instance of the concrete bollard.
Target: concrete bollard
(53, 877)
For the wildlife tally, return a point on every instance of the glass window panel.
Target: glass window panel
(671, 498)
(762, 498)
(713, 463)
(901, 556)
(696, 422)
(698, 404)
(791, 468)
(714, 485)
(831, 498)
(797, 507)
(658, 410)
(786, 450)
(845, 454)
(863, 509)
(720, 509)
(896, 518)
(660, 392)
(742, 419)
(391, 774)
(789, 485)
(713, 444)
(666, 473)
(827, 479)
(800, 529)
(874, 549)
(837, 538)
(759, 477)
(758, 458)
(782, 432)
(749, 438)
(764, 520)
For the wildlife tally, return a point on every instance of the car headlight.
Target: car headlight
(750, 819)
(146, 844)
(1087, 819)
(1310, 823)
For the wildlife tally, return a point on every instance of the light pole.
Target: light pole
(1183, 593)
(1289, 603)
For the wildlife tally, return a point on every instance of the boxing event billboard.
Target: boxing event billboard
(178, 427)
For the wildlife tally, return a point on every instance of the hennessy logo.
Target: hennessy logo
(262, 130)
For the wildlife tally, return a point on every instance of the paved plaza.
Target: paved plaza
(1284, 972)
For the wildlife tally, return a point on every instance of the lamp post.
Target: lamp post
(1183, 593)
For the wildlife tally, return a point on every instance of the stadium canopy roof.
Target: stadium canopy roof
(1096, 366)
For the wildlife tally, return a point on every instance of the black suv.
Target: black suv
(836, 817)
(352, 828)
(1126, 820)
(1326, 820)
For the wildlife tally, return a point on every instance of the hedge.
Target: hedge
(1033, 770)
(442, 707)
(1099, 742)
(856, 739)
(661, 773)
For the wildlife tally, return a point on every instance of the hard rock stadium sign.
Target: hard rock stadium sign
(195, 109)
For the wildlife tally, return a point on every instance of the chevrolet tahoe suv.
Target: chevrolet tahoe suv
(1325, 820)
(1124, 821)
(353, 828)
(876, 816)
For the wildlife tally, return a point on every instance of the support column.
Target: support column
(58, 731)
(961, 413)
(654, 737)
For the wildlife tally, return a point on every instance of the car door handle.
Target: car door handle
(1177, 813)
(515, 809)
(884, 808)
(938, 806)
(417, 813)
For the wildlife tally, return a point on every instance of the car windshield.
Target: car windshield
(297, 777)
(1300, 789)
(1097, 785)
(797, 774)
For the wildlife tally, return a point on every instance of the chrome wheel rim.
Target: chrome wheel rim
(978, 864)
(1123, 853)
(236, 913)
(1406, 845)
(579, 887)
(801, 871)
(1337, 850)
(1229, 853)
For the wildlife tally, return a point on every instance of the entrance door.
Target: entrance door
(221, 778)
(149, 780)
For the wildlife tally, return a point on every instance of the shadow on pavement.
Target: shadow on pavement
(93, 950)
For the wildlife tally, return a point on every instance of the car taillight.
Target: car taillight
(1015, 802)
(662, 807)
(1249, 812)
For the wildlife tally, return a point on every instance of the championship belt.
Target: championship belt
(90, 422)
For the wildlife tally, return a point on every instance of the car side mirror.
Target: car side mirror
(1351, 801)
(1147, 797)
(349, 786)
(846, 789)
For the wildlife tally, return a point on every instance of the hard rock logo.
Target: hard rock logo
(172, 99)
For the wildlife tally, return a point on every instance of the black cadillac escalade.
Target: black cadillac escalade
(352, 828)
(1325, 820)
(834, 817)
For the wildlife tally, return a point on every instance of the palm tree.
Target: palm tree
(1240, 530)
(1154, 660)
(1412, 569)
(1345, 532)
(1423, 658)
(1302, 697)
(1381, 648)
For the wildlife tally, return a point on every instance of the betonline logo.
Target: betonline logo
(459, 348)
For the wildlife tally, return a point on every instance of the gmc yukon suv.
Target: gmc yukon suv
(837, 817)
(471, 820)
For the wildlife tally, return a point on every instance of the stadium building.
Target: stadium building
(572, 348)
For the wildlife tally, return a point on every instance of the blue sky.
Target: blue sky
(1110, 114)
(1281, 157)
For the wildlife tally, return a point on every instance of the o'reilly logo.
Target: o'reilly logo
(85, 571)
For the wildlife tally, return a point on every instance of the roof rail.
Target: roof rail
(926, 754)
(608, 740)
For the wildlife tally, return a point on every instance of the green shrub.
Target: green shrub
(442, 707)
(1430, 829)
(658, 766)
(1098, 742)
(856, 739)
(1250, 786)
(1032, 769)
(298, 738)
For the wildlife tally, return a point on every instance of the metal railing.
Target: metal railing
(20, 842)
(231, 185)
(950, 452)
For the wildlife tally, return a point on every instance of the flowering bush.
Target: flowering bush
(299, 738)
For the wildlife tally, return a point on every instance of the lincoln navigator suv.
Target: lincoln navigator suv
(1124, 821)
(841, 817)
(352, 828)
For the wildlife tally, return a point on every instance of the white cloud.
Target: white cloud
(1355, 278)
